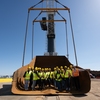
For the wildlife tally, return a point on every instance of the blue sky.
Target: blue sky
(86, 25)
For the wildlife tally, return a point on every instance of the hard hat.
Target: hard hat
(45, 69)
(36, 68)
(58, 69)
(49, 68)
(70, 66)
(61, 67)
(42, 69)
(32, 68)
(65, 66)
(54, 68)
(29, 67)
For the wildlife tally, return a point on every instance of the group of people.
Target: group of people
(60, 78)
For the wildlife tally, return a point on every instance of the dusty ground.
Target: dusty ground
(94, 94)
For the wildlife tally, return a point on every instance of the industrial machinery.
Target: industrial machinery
(50, 59)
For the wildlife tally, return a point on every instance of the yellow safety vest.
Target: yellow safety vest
(27, 76)
(35, 77)
(39, 73)
(70, 71)
(42, 75)
(47, 75)
(67, 74)
(51, 75)
(62, 75)
(58, 77)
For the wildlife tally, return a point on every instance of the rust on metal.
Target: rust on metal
(48, 61)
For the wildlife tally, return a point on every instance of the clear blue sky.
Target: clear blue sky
(86, 25)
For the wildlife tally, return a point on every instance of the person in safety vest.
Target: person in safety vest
(26, 76)
(51, 78)
(45, 77)
(71, 77)
(67, 78)
(31, 78)
(48, 77)
(75, 73)
(39, 78)
(35, 78)
(69, 69)
(62, 71)
(42, 76)
(58, 81)
(54, 76)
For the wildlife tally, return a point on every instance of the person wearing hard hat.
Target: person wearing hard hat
(47, 76)
(51, 80)
(69, 69)
(31, 78)
(59, 81)
(35, 78)
(26, 76)
(39, 77)
(42, 76)
(62, 71)
(54, 76)
(67, 77)
(65, 67)
(75, 73)
(71, 76)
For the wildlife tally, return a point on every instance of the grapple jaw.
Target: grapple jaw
(50, 62)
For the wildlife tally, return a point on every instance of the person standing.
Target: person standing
(59, 80)
(26, 76)
(69, 69)
(31, 78)
(54, 77)
(42, 75)
(75, 73)
(63, 78)
(35, 78)
(67, 79)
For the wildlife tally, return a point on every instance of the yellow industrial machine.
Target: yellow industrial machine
(50, 59)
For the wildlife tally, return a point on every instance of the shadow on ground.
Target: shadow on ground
(5, 90)
(79, 95)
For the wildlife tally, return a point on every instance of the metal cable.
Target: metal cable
(67, 40)
(73, 39)
(32, 37)
(36, 4)
(25, 39)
